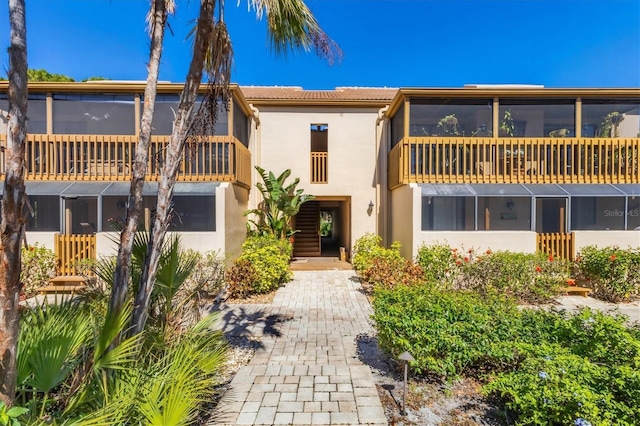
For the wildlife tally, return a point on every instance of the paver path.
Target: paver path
(307, 371)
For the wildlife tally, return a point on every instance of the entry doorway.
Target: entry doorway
(324, 226)
(80, 215)
(551, 215)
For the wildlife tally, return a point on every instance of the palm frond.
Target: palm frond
(114, 325)
(169, 8)
(291, 25)
(184, 377)
(174, 268)
(49, 344)
(219, 57)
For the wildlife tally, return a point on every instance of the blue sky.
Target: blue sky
(392, 43)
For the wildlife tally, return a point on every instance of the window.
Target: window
(89, 114)
(193, 213)
(597, 213)
(504, 213)
(397, 126)
(114, 209)
(451, 117)
(166, 107)
(537, 118)
(46, 213)
(610, 118)
(319, 153)
(448, 213)
(633, 213)
(36, 113)
(240, 124)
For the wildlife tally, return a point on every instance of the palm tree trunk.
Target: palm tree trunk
(171, 164)
(12, 227)
(123, 261)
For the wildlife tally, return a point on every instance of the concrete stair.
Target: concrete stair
(307, 221)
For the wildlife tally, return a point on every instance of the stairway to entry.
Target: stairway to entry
(307, 221)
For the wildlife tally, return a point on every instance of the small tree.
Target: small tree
(280, 204)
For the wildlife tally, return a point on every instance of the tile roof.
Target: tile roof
(293, 93)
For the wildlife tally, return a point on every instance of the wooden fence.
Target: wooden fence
(70, 249)
(558, 244)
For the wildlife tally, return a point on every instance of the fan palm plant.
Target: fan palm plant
(49, 349)
(71, 368)
(62, 351)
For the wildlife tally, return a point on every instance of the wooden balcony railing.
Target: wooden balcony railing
(514, 160)
(319, 173)
(110, 158)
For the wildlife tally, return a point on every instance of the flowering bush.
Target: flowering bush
(38, 266)
(565, 389)
(612, 272)
(581, 369)
(529, 277)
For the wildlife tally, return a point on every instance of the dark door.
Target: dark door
(550, 215)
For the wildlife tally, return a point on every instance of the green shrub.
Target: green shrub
(240, 278)
(38, 266)
(364, 250)
(550, 367)
(555, 386)
(556, 389)
(438, 262)
(269, 257)
(602, 338)
(367, 248)
(208, 274)
(446, 332)
(612, 272)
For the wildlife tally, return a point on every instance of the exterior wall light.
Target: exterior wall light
(510, 204)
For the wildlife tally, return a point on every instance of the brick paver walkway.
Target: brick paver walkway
(307, 371)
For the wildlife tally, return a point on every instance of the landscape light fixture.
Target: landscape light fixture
(406, 358)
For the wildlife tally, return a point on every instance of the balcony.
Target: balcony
(514, 160)
(319, 173)
(109, 158)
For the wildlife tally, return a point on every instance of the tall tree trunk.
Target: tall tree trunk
(12, 226)
(132, 218)
(169, 170)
